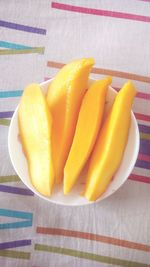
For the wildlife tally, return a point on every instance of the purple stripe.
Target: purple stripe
(143, 164)
(21, 27)
(144, 144)
(144, 128)
(15, 244)
(16, 190)
(6, 114)
(144, 147)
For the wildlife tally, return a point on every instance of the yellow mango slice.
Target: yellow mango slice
(88, 125)
(35, 123)
(110, 145)
(64, 97)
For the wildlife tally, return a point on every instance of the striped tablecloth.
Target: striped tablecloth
(37, 38)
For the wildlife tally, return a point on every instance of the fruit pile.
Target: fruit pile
(66, 129)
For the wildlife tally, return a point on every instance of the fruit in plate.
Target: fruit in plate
(88, 125)
(110, 145)
(35, 124)
(64, 97)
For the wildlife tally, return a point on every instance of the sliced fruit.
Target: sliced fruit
(64, 97)
(88, 125)
(35, 123)
(110, 145)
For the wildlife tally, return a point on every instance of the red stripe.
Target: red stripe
(139, 178)
(144, 157)
(143, 95)
(145, 1)
(100, 12)
(139, 94)
(143, 117)
(46, 78)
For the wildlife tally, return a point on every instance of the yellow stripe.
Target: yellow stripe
(145, 136)
(15, 254)
(39, 50)
(9, 178)
(89, 256)
(4, 122)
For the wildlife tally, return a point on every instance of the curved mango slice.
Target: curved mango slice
(110, 146)
(64, 97)
(35, 123)
(88, 125)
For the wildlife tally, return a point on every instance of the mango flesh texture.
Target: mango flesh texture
(64, 97)
(88, 125)
(110, 145)
(35, 123)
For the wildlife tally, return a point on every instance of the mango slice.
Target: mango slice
(64, 97)
(110, 145)
(88, 125)
(35, 123)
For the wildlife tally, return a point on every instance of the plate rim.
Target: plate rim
(134, 158)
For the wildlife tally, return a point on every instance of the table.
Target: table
(37, 38)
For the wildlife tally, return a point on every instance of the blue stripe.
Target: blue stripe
(6, 94)
(14, 225)
(16, 214)
(13, 45)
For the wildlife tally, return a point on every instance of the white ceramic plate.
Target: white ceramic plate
(74, 198)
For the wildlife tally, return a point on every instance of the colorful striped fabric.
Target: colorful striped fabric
(36, 41)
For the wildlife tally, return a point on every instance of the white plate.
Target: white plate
(74, 198)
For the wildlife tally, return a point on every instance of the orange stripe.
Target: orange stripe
(94, 237)
(121, 74)
(54, 64)
(115, 73)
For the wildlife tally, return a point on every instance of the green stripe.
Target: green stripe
(22, 51)
(9, 178)
(89, 256)
(145, 136)
(4, 122)
(15, 254)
